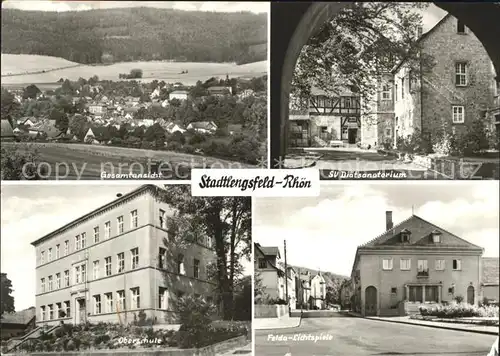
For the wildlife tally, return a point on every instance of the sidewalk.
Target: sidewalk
(480, 329)
(245, 350)
(275, 323)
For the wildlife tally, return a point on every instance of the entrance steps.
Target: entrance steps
(14, 343)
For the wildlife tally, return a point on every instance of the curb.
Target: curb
(283, 327)
(433, 326)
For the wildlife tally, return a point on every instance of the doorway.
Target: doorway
(371, 301)
(80, 311)
(352, 135)
(470, 295)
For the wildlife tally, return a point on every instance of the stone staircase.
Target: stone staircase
(14, 343)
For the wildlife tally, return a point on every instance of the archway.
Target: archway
(371, 305)
(470, 295)
(304, 19)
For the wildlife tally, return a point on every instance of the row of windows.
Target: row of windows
(422, 265)
(54, 282)
(81, 239)
(55, 311)
(80, 271)
(109, 307)
(180, 268)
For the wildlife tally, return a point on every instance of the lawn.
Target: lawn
(71, 161)
(160, 70)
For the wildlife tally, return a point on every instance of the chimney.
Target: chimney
(388, 220)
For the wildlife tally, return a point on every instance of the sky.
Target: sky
(60, 6)
(32, 211)
(322, 233)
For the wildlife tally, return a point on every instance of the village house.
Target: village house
(456, 89)
(324, 119)
(17, 323)
(117, 261)
(267, 262)
(220, 90)
(411, 264)
(98, 109)
(172, 127)
(318, 291)
(178, 94)
(205, 127)
(245, 94)
(303, 290)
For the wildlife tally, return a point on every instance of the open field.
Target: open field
(13, 64)
(81, 161)
(160, 70)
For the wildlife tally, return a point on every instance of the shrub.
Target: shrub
(459, 299)
(13, 161)
(177, 137)
(194, 316)
(459, 310)
(196, 139)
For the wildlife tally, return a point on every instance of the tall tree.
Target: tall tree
(227, 220)
(361, 42)
(7, 300)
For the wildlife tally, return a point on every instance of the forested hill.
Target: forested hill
(133, 34)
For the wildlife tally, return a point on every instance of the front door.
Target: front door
(352, 135)
(470, 295)
(80, 311)
(371, 301)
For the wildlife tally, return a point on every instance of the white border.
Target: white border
(269, 86)
(94, 182)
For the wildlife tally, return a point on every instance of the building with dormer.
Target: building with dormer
(268, 266)
(413, 263)
(117, 261)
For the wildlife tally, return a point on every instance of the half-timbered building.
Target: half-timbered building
(325, 120)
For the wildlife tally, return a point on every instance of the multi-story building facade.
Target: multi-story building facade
(453, 86)
(377, 115)
(412, 263)
(267, 265)
(117, 261)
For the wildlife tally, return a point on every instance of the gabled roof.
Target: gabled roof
(258, 247)
(420, 236)
(490, 271)
(179, 92)
(207, 125)
(270, 251)
(22, 317)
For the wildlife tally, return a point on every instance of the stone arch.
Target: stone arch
(305, 19)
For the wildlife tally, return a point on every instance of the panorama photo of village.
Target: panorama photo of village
(95, 90)
(405, 88)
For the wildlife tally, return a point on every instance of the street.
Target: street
(357, 160)
(358, 336)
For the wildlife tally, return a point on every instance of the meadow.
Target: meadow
(21, 69)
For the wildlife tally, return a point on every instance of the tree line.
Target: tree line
(117, 35)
